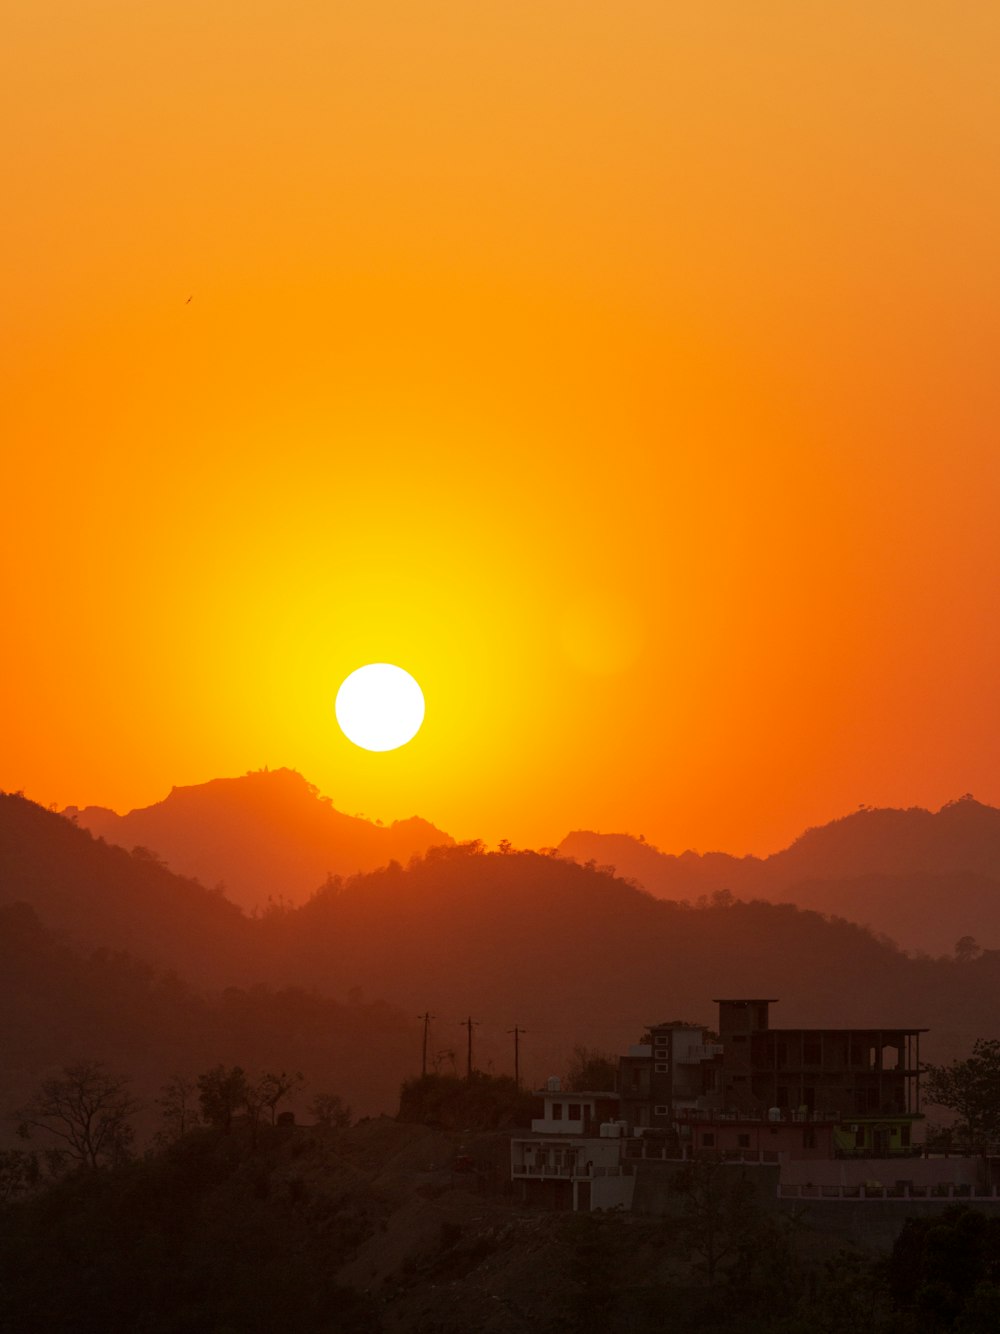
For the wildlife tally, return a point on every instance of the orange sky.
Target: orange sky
(627, 372)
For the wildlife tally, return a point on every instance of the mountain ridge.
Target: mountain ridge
(938, 872)
(267, 835)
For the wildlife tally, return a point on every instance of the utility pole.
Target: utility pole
(470, 1025)
(426, 1017)
(517, 1055)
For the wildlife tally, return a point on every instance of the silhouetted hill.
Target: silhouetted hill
(267, 835)
(925, 879)
(568, 952)
(105, 896)
(575, 954)
(59, 1004)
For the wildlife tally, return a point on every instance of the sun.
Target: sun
(380, 707)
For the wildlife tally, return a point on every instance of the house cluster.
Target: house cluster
(833, 1109)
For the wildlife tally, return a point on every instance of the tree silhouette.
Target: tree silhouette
(222, 1093)
(328, 1110)
(180, 1113)
(88, 1110)
(972, 1089)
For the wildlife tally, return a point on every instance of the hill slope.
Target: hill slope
(924, 879)
(267, 835)
(105, 896)
(567, 952)
(573, 954)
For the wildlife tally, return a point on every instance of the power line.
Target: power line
(469, 1024)
(517, 1053)
(426, 1017)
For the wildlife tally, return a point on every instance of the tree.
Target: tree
(222, 1093)
(19, 1173)
(88, 1111)
(271, 1089)
(178, 1107)
(971, 1088)
(591, 1070)
(327, 1109)
(967, 949)
(726, 1230)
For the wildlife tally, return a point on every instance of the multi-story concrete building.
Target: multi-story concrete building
(671, 1073)
(864, 1082)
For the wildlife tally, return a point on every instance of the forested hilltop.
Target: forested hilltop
(926, 879)
(571, 953)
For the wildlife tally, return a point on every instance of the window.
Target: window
(573, 1111)
(662, 1068)
(743, 1141)
(811, 1051)
(662, 1110)
(809, 1138)
(661, 1053)
(708, 1141)
(557, 1111)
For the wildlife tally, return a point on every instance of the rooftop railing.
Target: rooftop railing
(942, 1192)
(762, 1116)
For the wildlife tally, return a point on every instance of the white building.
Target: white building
(573, 1157)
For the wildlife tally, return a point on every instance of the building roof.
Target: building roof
(576, 1093)
(745, 1000)
(885, 1028)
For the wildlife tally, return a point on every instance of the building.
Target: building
(671, 1073)
(828, 1108)
(864, 1082)
(573, 1157)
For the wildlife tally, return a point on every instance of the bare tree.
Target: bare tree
(274, 1088)
(178, 1105)
(88, 1110)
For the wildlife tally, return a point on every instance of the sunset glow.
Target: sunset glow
(628, 372)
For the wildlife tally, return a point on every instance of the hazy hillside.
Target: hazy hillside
(567, 952)
(925, 879)
(59, 1005)
(575, 954)
(105, 896)
(267, 835)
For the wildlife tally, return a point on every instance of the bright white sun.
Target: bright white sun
(380, 707)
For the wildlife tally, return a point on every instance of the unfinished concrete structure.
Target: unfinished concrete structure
(864, 1082)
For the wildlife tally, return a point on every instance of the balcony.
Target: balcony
(699, 1051)
(762, 1117)
(565, 1173)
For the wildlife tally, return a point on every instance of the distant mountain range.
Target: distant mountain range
(924, 879)
(266, 836)
(569, 952)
